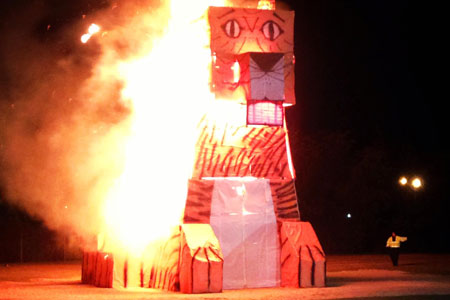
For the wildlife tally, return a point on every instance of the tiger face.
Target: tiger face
(240, 30)
(252, 53)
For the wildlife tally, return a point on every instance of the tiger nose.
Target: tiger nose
(266, 61)
(263, 76)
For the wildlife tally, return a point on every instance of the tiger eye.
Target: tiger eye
(271, 30)
(232, 28)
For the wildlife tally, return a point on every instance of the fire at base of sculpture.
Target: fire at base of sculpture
(97, 269)
(189, 261)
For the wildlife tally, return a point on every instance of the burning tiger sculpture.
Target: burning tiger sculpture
(241, 225)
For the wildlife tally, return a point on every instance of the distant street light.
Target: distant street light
(403, 180)
(416, 182)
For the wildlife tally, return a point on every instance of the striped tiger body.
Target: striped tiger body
(285, 199)
(238, 151)
(301, 248)
(164, 272)
(198, 203)
(227, 151)
(107, 269)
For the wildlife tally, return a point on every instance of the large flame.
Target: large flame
(168, 88)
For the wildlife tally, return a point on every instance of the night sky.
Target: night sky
(372, 67)
(370, 107)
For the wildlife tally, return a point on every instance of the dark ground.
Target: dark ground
(419, 276)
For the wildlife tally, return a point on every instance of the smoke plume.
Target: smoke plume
(63, 118)
(64, 115)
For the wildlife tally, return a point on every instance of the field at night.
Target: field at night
(418, 277)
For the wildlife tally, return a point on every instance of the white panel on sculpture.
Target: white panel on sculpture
(263, 112)
(266, 84)
(243, 219)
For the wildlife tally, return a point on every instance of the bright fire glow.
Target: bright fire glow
(169, 90)
(236, 72)
(266, 4)
(93, 29)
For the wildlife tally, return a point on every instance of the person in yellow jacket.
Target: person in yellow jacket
(393, 243)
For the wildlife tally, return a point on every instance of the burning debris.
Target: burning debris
(93, 29)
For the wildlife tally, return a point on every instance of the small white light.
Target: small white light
(403, 180)
(240, 190)
(349, 216)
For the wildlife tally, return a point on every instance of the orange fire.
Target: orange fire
(169, 90)
(266, 4)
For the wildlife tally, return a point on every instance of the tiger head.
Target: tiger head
(252, 55)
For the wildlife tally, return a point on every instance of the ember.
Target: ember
(93, 29)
